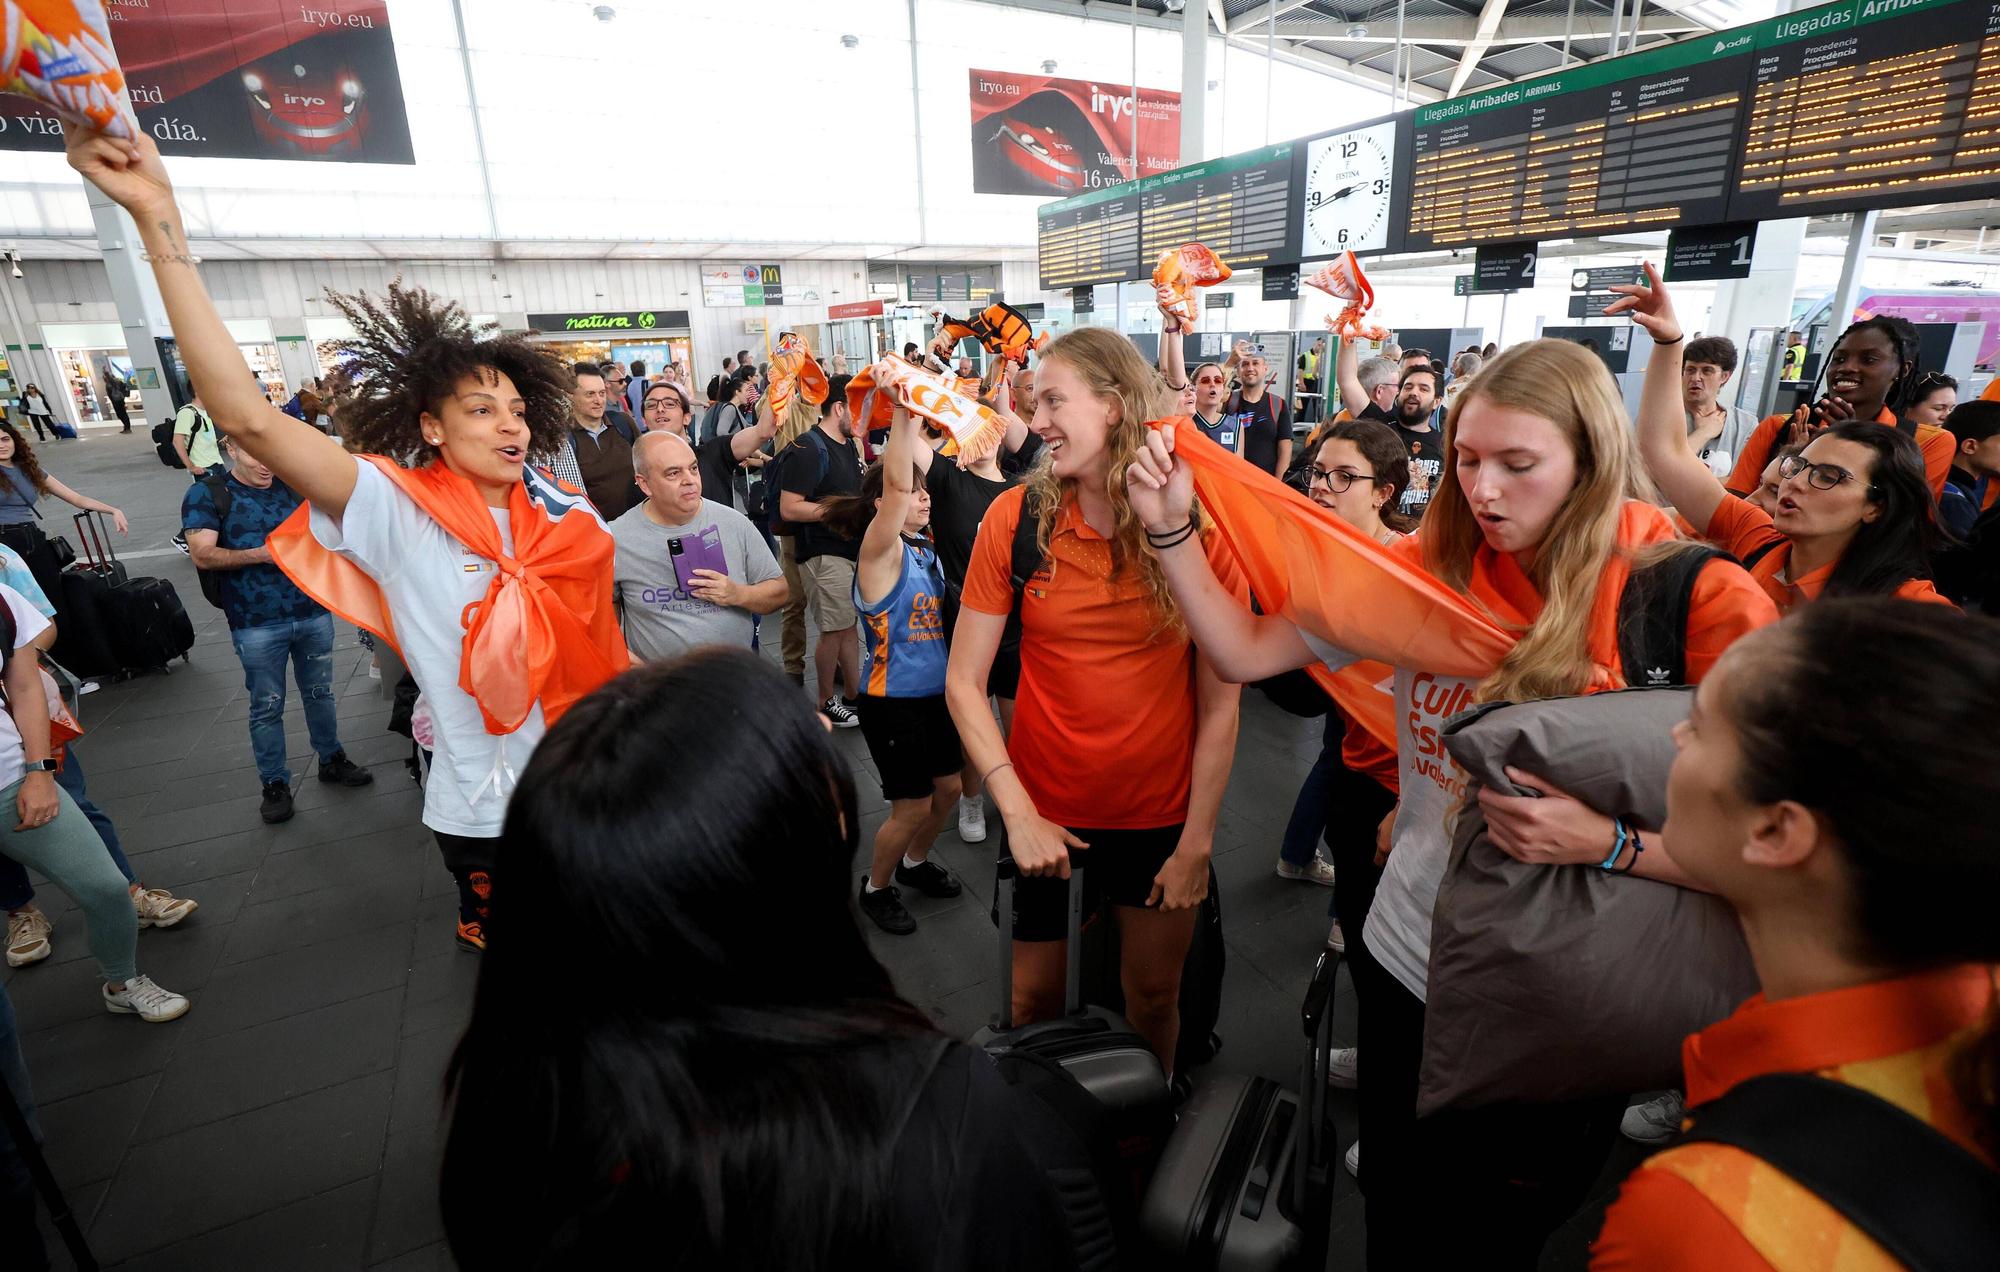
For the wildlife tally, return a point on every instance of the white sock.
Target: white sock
(908, 864)
(869, 887)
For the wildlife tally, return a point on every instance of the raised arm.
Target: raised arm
(307, 460)
(1680, 474)
(1347, 371)
(88, 504)
(1173, 358)
(745, 440)
(882, 544)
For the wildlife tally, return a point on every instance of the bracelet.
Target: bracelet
(1638, 846)
(1676, 340)
(987, 776)
(1171, 538)
(1617, 845)
(170, 258)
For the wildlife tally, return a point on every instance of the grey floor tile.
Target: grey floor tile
(98, 1051)
(308, 918)
(399, 851)
(326, 1232)
(355, 964)
(228, 1171)
(440, 994)
(211, 1079)
(432, 1258)
(420, 1067)
(406, 1208)
(86, 1135)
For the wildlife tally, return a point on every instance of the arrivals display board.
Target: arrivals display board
(1645, 141)
(1090, 238)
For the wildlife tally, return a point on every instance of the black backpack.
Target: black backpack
(211, 580)
(163, 436)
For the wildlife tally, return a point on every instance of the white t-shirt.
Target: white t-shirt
(428, 578)
(1398, 931)
(28, 624)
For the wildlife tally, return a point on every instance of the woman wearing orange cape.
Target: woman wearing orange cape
(493, 583)
(1538, 523)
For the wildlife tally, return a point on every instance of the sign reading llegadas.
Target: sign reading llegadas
(631, 320)
(250, 79)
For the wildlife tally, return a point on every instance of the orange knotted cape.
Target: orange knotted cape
(545, 629)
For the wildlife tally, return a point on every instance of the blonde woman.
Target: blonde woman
(1539, 519)
(1123, 734)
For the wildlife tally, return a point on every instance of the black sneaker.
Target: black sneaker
(840, 713)
(929, 878)
(345, 771)
(180, 541)
(277, 806)
(886, 908)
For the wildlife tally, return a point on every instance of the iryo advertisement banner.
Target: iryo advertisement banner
(1036, 134)
(250, 79)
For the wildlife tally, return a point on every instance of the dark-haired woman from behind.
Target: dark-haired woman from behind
(670, 1079)
(1867, 907)
(1853, 512)
(491, 582)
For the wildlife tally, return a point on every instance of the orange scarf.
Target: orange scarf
(1327, 578)
(545, 629)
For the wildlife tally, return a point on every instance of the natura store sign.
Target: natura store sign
(632, 321)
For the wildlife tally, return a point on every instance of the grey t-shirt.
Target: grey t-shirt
(661, 619)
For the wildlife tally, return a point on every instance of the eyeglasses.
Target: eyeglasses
(1336, 480)
(1819, 476)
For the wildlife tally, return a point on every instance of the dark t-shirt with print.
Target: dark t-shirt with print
(959, 501)
(256, 595)
(1426, 462)
(803, 478)
(1265, 423)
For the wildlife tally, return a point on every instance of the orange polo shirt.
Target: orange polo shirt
(1935, 443)
(1741, 528)
(1104, 717)
(1716, 1208)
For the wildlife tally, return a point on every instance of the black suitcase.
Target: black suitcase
(1246, 1182)
(1095, 1045)
(142, 619)
(83, 625)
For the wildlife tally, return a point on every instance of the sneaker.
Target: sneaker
(1319, 870)
(840, 713)
(972, 821)
(142, 998)
(1656, 1121)
(344, 771)
(28, 937)
(885, 907)
(277, 805)
(929, 878)
(1336, 940)
(1353, 1159)
(1343, 1068)
(180, 541)
(472, 936)
(160, 908)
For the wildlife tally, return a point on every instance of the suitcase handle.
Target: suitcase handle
(1006, 874)
(1319, 996)
(1310, 1133)
(96, 544)
(1065, 1027)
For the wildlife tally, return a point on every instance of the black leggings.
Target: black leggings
(470, 861)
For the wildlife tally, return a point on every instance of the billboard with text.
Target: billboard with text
(1036, 134)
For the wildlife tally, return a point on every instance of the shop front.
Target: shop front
(652, 336)
(94, 362)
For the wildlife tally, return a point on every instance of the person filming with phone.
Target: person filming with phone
(690, 571)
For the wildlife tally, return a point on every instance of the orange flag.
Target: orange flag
(1307, 565)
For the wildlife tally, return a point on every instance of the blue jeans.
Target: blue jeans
(15, 890)
(18, 1234)
(1309, 812)
(264, 650)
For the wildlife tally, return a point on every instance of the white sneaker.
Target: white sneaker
(160, 908)
(1319, 870)
(142, 998)
(972, 820)
(1343, 1068)
(28, 937)
(1353, 1159)
(1336, 940)
(1656, 1121)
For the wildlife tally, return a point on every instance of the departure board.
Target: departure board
(1869, 103)
(1638, 142)
(1090, 238)
(1240, 206)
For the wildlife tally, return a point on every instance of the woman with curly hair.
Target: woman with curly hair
(493, 584)
(1122, 734)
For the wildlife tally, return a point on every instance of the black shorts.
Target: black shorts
(911, 740)
(1119, 869)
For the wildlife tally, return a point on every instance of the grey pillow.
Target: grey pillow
(1556, 983)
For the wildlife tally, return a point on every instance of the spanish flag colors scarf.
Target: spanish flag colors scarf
(544, 631)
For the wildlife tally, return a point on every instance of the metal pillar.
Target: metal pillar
(141, 312)
(1860, 237)
(1194, 83)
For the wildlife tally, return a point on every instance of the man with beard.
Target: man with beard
(1262, 419)
(1419, 425)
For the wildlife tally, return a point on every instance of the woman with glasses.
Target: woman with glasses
(1932, 397)
(1853, 514)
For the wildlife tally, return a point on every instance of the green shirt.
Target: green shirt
(193, 423)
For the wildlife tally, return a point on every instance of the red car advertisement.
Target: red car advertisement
(1035, 134)
(250, 79)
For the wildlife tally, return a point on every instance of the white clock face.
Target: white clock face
(1350, 179)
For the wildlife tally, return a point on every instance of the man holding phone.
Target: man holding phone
(690, 571)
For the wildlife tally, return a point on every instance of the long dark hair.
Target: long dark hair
(1390, 459)
(849, 515)
(1897, 546)
(24, 457)
(1839, 685)
(700, 1061)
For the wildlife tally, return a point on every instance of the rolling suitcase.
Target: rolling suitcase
(145, 624)
(1246, 1182)
(1094, 1045)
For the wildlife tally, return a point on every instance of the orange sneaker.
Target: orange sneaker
(472, 936)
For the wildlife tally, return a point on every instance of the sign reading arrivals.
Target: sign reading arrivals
(636, 320)
(250, 79)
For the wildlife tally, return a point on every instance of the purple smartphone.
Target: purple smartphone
(693, 552)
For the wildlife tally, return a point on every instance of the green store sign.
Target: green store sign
(629, 321)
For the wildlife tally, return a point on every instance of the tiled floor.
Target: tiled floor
(290, 1120)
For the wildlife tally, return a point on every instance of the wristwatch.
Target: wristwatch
(43, 766)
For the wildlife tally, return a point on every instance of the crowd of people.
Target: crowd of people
(576, 564)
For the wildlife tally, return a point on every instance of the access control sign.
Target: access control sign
(635, 320)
